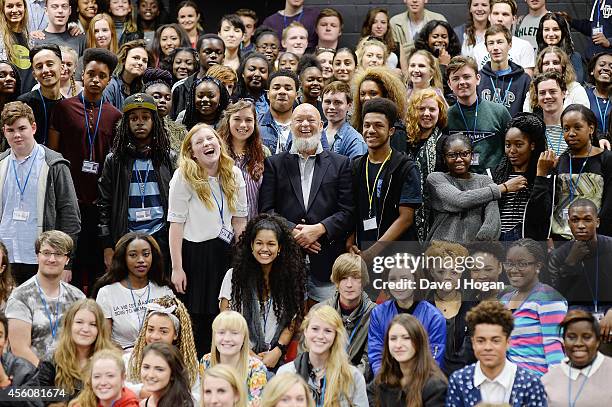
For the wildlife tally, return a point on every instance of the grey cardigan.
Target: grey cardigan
(463, 210)
(57, 203)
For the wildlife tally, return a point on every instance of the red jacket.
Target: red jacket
(128, 399)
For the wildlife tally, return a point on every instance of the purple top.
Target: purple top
(307, 17)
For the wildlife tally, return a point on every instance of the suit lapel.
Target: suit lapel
(321, 164)
(293, 171)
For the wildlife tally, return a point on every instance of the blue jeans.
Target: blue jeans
(513, 234)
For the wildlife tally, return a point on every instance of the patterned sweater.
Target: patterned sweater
(535, 343)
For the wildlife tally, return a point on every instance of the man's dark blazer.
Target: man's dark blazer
(330, 201)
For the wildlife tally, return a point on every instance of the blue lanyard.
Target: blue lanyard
(497, 93)
(355, 328)
(52, 324)
(598, 12)
(465, 121)
(46, 128)
(142, 185)
(322, 400)
(135, 305)
(25, 184)
(550, 144)
(89, 136)
(220, 207)
(569, 390)
(574, 187)
(603, 118)
(298, 19)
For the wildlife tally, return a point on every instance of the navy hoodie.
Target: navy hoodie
(509, 89)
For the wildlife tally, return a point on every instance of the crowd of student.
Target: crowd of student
(190, 218)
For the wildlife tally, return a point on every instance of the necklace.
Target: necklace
(445, 304)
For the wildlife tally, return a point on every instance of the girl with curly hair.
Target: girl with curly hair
(84, 332)
(239, 130)
(376, 25)
(230, 347)
(371, 52)
(163, 374)
(167, 321)
(409, 375)
(207, 100)
(380, 82)
(266, 285)
(439, 38)
(182, 63)
(425, 123)
(104, 383)
(332, 380)
(525, 140)
(555, 31)
(136, 276)
(206, 189)
(553, 58)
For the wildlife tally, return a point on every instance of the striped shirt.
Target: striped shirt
(252, 187)
(534, 342)
(555, 140)
(512, 206)
(144, 195)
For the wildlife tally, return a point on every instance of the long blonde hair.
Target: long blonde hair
(91, 36)
(87, 397)
(197, 177)
(413, 129)
(233, 321)
(229, 374)
(67, 369)
(337, 367)
(281, 384)
(434, 67)
(8, 36)
(184, 342)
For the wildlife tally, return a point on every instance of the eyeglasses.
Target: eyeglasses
(47, 254)
(462, 154)
(520, 265)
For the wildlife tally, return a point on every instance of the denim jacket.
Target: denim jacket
(347, 141)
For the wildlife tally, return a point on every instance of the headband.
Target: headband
(155, 308)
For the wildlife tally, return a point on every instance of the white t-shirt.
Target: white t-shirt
(575, 95)
(268, 317)
(528, 29)
(201, 223)
(521, 54)
(127, 312)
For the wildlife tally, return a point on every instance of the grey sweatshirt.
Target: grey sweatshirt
(463, 210)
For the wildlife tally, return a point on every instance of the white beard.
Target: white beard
(305, 145)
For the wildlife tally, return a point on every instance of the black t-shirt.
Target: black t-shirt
(410, 310)
(34, 99)
(21, 50)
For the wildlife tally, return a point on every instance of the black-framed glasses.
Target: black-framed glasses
(520, 265)
(462, 154)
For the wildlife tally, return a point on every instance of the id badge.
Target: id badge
(565, 214)
(598, 316)
(226, 235)
(143, 215)
(20, 215)
(369, 224)
(90, 167)
(598, 30)
(475, 158)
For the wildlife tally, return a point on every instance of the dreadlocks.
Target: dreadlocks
(123, 146)
(184, 344)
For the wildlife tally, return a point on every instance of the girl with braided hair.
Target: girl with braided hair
(266, 285)
(207, 100)
(167, 321)
(134, 186)
(158, 84)
(524, 142)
